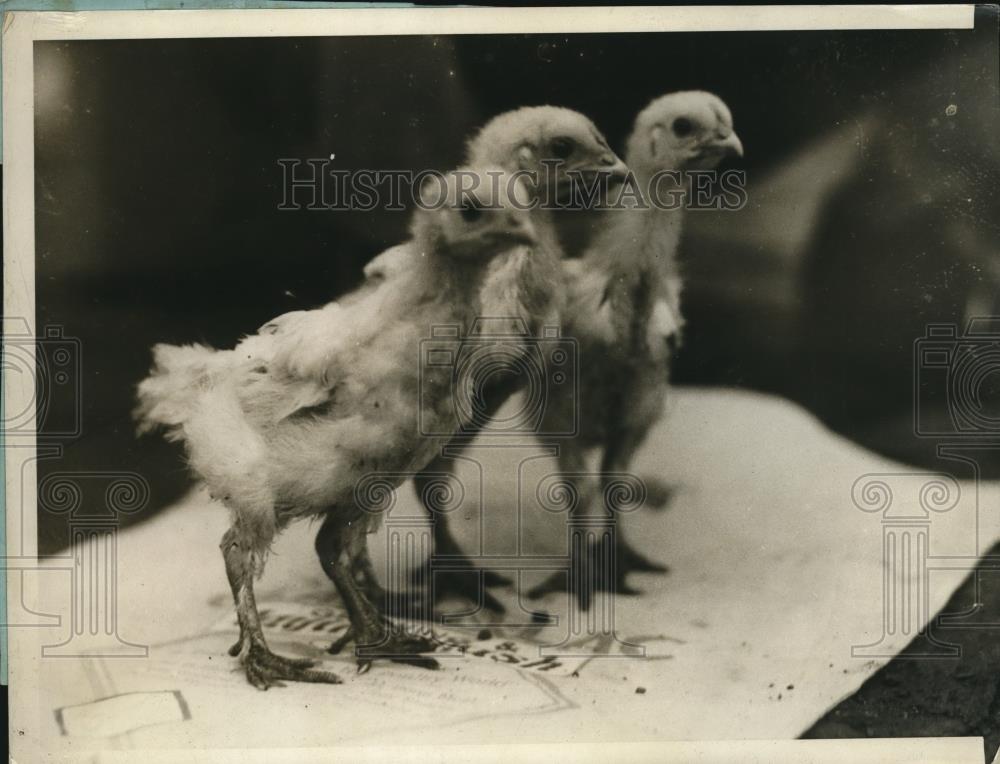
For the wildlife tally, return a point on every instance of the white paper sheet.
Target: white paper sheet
(776, 580)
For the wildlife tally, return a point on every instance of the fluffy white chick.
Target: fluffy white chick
(623, 309)
(286, 424)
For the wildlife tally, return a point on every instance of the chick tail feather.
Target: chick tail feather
(180, 374)
(189, 395)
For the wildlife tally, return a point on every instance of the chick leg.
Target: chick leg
(390, 603)
(572, 469)
(234, 573)
(659, 494)
(364, 573)
(373, 634)
(463, 578)
(597, 567)
(619, 451)
(263, 668)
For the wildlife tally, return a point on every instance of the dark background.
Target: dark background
(871, 213)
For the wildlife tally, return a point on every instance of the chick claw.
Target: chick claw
(265, 669)
(491, 578)
(630, 560)
(470, 584)
(658, 493)
(592, 576)
(399, 649)
(559, 582)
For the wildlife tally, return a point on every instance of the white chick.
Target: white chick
(623, 309)
(285, 425)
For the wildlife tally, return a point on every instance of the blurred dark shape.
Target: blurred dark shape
(745, 328)
(910, 238)
(850, 249)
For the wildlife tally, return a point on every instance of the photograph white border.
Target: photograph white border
(22, 29)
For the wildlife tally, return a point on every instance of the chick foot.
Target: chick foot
(658, 493)
(265, 669)
(595, 573)
(470, 583)
(632, 561)
(411, 603)
(399, 648)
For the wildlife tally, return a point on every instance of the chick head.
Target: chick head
(557, 147)
(473, 214)
(686, 130)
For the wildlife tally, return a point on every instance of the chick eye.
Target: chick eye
(682, 126)
(470, 213)
(562, 148)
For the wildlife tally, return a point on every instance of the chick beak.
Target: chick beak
(521, 231)
(614, 167)
(729, 145)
